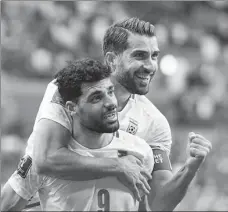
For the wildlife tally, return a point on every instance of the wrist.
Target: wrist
(117, 169)
(193, 164)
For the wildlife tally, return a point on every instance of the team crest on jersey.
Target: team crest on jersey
(24, 166)
(133, 126)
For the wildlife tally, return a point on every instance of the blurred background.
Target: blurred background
(190, 89)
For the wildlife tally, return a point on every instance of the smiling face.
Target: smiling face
(136, 66)
(97, 107)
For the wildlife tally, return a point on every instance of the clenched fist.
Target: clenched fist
(199, 147)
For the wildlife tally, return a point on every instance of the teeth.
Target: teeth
(110, 115)
(143, 76)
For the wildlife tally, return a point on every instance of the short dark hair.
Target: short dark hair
(116, 36)
(69, 80)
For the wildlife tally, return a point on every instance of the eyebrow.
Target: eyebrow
(144, 51)
(94, 93)
(99, 91)
(156, 51)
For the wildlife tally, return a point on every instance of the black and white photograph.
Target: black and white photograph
(114, 105)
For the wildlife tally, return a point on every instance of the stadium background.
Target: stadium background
(37, 37)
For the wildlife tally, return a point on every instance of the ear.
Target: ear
(110, 60)
(72, 107)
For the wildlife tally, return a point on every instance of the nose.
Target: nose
(150, 66)
(110, 103)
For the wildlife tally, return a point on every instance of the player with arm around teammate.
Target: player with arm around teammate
(95, 125)
(89, 95)
(131, 50)
(10, 196)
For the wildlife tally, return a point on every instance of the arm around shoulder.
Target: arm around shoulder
(48, 138)
(53, 158)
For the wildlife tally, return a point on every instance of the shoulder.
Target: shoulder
(133, 141)
(158, 131)
(52, 94)
(53, 108)
(149, 109)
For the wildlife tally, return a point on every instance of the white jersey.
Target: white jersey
(105, 194)
(139, 117)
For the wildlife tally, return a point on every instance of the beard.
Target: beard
(102, 127)
(132, 84)
(107, 128)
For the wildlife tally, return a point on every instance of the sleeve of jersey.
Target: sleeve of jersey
(24, 181)
(149, 161)
(55, 112)
(161, 160)
(159, 134)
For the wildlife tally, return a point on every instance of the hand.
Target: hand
(199, 147)
(134, 175)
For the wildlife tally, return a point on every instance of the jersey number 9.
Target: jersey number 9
(103, 200)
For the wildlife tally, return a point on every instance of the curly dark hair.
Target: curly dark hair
(69, 80)
(115, 38)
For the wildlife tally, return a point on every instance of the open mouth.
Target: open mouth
(111, 116)
(143, 78)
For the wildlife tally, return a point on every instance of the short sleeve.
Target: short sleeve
(25, 181)
(56, 113)
(159, 134)
(53, 108)
(149, 160)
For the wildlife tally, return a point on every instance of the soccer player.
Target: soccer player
(131, 50)
(89, 94)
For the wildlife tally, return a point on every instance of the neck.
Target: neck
(122, 94)
(89, 138)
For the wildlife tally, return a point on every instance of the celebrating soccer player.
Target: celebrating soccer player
(131, 51)
(88, 93)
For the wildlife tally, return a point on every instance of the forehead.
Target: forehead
(136, 41)
(90, 87)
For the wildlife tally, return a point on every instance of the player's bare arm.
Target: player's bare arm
(53, 158)
(10, 200)
(171, 192)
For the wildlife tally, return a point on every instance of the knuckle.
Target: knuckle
(139, 182)
(207, 149)
(143, 180)
(195, 148)
(210, 145)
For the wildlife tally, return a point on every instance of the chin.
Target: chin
(108, 128)
(137, 89)
(111, 128)
(141, 91)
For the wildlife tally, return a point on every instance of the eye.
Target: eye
(140, 55)
(155, 55)
(111, 92)
(96, 98)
